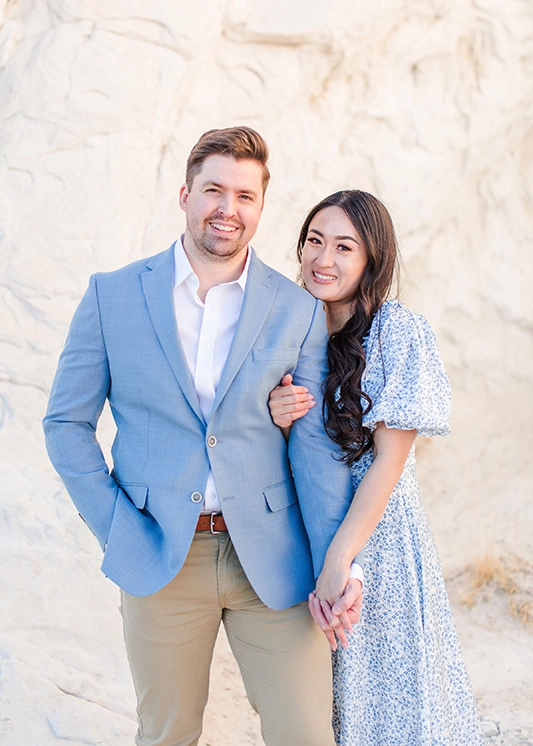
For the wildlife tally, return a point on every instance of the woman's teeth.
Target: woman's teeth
(323, 277)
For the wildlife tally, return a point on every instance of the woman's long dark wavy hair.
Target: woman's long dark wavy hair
(343, 408)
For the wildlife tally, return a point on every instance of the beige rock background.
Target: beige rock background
(426, 103)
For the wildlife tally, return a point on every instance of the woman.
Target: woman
(401, 680)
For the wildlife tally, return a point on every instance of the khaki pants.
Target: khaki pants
(283, 657)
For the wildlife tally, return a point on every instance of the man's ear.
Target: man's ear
(184, 197)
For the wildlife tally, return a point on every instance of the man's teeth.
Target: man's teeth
(323, 277)
(226, 228)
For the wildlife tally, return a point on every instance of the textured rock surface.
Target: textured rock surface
(426, 104)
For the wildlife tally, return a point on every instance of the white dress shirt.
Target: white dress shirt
(206, 332)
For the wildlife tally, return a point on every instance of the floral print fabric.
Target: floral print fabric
(402, 681)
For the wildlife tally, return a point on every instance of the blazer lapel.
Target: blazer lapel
(158, 286)
(260, 290)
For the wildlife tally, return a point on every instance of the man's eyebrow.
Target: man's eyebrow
(338, 238)
(221, 186)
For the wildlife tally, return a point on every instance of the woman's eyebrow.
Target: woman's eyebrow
(338, 238)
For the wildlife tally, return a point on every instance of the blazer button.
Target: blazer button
(211, 441)
(197, 497)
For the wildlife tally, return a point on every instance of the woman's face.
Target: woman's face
(333, 258)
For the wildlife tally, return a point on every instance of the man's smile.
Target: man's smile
(223, 228)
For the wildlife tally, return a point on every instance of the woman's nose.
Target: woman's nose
(325, 258)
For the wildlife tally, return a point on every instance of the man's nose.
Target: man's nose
(228, 205)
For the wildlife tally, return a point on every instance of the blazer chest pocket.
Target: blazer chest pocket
(276, 354)
(281, 495)
(136, 492)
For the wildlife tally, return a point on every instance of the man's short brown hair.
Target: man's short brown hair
(235, 142)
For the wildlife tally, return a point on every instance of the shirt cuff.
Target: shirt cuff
(356, 571)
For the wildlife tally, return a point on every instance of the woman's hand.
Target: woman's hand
(337, 600)
(337, 621)
(330, 586)
(333, 579)
(287, 402)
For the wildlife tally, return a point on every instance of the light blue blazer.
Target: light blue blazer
(282, 503)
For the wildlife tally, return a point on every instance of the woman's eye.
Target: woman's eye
(313, 240)
(342, 247)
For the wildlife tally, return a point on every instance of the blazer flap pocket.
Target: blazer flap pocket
(276, 354)
(137, 493)
(280, 495)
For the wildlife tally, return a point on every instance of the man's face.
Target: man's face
(223, 207)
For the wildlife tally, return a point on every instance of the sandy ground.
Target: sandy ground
(499, 655)
(493, 609)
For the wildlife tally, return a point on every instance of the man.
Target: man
(200, 519)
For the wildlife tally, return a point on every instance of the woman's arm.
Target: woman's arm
(391, 448)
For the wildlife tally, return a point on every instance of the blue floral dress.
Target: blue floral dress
(402, 681)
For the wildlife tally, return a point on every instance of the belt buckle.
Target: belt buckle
(212, 524)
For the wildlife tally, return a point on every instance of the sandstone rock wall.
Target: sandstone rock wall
(427, 104)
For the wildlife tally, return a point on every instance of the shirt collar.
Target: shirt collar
(184, 272)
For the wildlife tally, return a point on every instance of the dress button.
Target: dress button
(197, 497)
(211, 441)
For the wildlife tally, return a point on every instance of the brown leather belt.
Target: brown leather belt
(213, 522)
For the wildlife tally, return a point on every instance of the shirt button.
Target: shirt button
(211, 441)
(197, 497)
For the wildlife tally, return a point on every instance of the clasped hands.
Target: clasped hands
(335, 614)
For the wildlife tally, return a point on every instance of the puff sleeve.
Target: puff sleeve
(404, 375)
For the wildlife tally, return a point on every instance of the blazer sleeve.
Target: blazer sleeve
(78, 394)
(323, 482)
